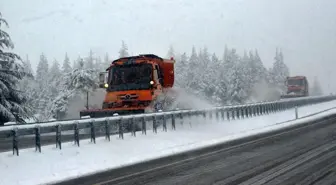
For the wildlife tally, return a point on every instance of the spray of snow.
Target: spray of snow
(263, 91)
(187, 100)
(183, 100)
(78, 103)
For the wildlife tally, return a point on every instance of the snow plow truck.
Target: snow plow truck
(135, 84)
(297, 86)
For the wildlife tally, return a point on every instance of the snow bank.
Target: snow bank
(72, 161)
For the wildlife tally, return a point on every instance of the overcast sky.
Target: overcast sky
(304, 29)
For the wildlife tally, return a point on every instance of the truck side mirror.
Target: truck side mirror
(103, 79)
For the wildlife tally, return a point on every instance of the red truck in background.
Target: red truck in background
(297, 86)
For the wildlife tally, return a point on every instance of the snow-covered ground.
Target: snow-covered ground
(54, 164)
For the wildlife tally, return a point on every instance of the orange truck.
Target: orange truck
(135, 84)
(297, 86)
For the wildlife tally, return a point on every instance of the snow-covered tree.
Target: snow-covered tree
(226, 55)
(89, 61)
(66, 67)
(76, 63)
(279, 71)
(80, 81)
(181, 70)
(29, 85)
(55, 78)
(205, 73)
(44, 88)
(235, 71)
(42, 70)
(12, 100)
(123, 52)
(171, 52)
(191, 76)
(99, 65)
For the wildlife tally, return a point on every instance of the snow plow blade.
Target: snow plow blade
(291, 96)
(108, 113)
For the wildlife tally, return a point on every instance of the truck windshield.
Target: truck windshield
(295, 82)
(130, 77)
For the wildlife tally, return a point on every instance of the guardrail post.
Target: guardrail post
(217, 114)
(210, 114)
(266, 109)
(228, 114)
(246, 111)
(164, 122)
(173, 121)
(93, 131)
(132, 120)
(275, 107)
(76, 133)
(37, 139)
(15, 141)
(58, 136)
(258, 110)
(223, 114)
(154, 124)
(233, 113)
(296, 112)
(238, 112)
(189, 118)
(249, 111)
(107, 129)
(121, 128)
(263, 109)
(204, 115)
(252, 110)
(181, 118)
(143, 128)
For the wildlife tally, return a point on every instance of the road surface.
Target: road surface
(301, 156)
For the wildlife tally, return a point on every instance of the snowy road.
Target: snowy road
(54, 164)
(277, 159)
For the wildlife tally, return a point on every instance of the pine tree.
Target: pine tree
(42, 71)
(12, 100)
(28, 68)
(236, 76)
(191, 74)
(76, 63)
(80, 81)
(206, 71)
(89, 61)
(226, 55)
(29, 86)
(217, 81)
(99, 65)
(279, 71)
(123, 52)
(171, 52)
(55, 78)
(66, 67)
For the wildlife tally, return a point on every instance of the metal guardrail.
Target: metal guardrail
(140, 121)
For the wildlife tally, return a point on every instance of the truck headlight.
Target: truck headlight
(151, 82)
(106, 85)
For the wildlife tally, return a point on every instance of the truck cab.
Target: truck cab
(297, 85)
(136, 83)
